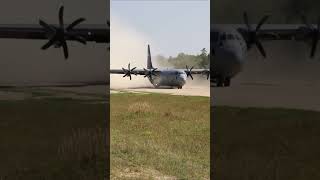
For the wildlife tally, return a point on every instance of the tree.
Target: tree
(204, 62)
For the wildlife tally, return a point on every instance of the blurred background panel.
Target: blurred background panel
(61, 131)
(265, 125)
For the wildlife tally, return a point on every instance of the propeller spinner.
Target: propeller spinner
(188, 71)
(59, 34)
(313, 33)
(128, 72)
(207, 73)
(253, 34)
(149, 72)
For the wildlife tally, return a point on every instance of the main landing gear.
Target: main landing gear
(179, 87)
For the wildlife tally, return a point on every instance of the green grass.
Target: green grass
(52, 138)
(158, 136)
(257, 143)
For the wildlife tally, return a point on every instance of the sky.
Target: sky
(170, 27)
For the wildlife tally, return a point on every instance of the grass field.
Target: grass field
(253, 143)
(47, 137)
(158, 136)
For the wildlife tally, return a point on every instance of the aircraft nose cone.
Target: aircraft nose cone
(182, 79)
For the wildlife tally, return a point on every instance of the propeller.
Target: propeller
(129, 71)
(313, 33)
(150, 72)
(58, 35)
(206, 72)
(253, 34)
(188, 71)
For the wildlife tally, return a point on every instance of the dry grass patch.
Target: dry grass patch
(169, 136)
(140, 107)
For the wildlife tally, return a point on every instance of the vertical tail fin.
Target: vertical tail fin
(149, 62)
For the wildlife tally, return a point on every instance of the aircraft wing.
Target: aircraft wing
(274, 31)
(191, 71)
(95, 33)
(198, 71)
(254, 33)
(280, 32)
(124, 71)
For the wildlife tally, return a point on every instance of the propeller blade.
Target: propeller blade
(61, 23)
(304, 20)
(78, 38)
(262, 21)
(261, 49)
(314, 46)
(48, 44)
(65, 49)
(246, 20)
(191, 76)
(253, 37)
(46, 26)
(133, 68)
(75, 23)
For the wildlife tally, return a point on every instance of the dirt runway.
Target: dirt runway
(296, 95)
(197, 87)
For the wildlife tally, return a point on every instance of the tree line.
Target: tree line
(200, 60)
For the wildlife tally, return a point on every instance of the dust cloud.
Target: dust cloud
(288, 78)
(128, 46)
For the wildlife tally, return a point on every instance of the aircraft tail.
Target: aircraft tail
(149, 62)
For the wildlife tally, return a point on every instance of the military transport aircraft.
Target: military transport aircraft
(162, 77)
(58, 35)
(230, 43)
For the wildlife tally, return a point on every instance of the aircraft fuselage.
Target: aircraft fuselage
(229, 49)
(169, 77)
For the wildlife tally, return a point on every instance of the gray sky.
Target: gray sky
(170, 26)
(22, 61)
